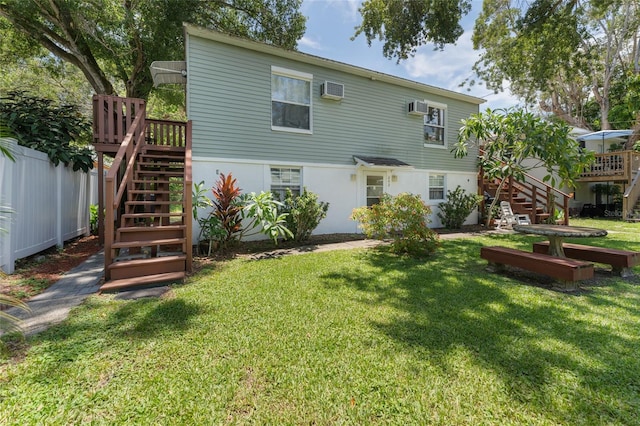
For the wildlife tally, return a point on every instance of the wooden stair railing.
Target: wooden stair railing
(115, 188)
(631, 199)
(148, 226)
(532, 197)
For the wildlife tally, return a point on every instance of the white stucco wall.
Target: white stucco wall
(343, 187)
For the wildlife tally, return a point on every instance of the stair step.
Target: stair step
(151, 215)
(151, 266)
(136, 233)
(151, 203)
(153, 191)
(162, 173)
(145, 243)
(154, 150)
(115, 285)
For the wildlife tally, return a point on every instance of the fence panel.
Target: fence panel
(49, 205)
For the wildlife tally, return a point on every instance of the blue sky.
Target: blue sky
(330, 26)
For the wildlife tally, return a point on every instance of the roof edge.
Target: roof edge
(218, 36)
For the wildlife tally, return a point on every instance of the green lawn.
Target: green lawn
(345, 337)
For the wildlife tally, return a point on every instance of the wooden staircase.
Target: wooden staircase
(147, 224)
(531, 197)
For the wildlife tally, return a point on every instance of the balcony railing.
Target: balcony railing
(618, 165)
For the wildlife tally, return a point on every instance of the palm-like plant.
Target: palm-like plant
(9, 322)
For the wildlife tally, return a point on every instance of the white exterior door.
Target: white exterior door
(374, 188)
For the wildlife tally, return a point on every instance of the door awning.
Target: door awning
(379, 162)
(168, 72)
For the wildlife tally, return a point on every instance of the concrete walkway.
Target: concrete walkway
(53, 305)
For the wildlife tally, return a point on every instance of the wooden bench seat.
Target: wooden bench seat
(620, 260)
(563, 269)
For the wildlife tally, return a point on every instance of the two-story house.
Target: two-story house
(280, 119)
(274, 119)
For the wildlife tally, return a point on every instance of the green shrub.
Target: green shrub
(404, 219)
(304, 213)
(93, 219)
(262, 210)
(235, 216)
(457, 208)
(57, 130)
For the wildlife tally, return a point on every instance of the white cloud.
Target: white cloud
(347, 10)
(310, 43)
(450, 66)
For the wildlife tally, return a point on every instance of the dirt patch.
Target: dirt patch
(36, 273)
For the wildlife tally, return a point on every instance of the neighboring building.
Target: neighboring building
(280, 119)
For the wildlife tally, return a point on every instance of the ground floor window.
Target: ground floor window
(436, 187)
(283, 178)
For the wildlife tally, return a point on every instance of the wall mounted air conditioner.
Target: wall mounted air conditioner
(418, 108)
(331, 90)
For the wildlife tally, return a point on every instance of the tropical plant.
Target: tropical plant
(10, 323)
(304, 213)
(41, 124)
(227, 208)
(515, 141)
(235, 216)
(457, 208)
(262, 212)
(403, 219)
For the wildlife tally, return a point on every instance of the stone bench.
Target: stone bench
(565, 270)
(621, 261)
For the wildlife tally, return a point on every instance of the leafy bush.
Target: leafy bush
(235, 216)
(404, 219)
(227, 208)
(304, 213)
(93, 219)
(56, 130)
(263, 210)
(457, 208)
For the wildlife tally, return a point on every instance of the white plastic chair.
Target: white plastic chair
(508, 218)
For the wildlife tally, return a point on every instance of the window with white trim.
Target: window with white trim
(283, 178)
(436, 187)
(290, 100)
(434, 124)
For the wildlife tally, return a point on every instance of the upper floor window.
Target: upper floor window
(283, 178)
(290, 100)
(436, 187)
(434, 125)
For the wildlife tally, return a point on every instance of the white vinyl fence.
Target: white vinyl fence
(42, 205)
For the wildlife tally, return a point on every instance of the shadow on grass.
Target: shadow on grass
(528, 337)
(126, 323)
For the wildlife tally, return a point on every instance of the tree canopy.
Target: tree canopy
(405, 25)
(113, 42)
(510, 139)
(563, 54)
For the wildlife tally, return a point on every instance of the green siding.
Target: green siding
(229, 101)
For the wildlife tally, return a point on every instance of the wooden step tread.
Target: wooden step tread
(144, 243)
(160, 172)
(153, 191)
(145, 215)
(115, 285)
(152, 203)
(152, 228)
(124, 264)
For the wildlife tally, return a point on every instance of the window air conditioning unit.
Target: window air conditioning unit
(418, 108)
(330, 90)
